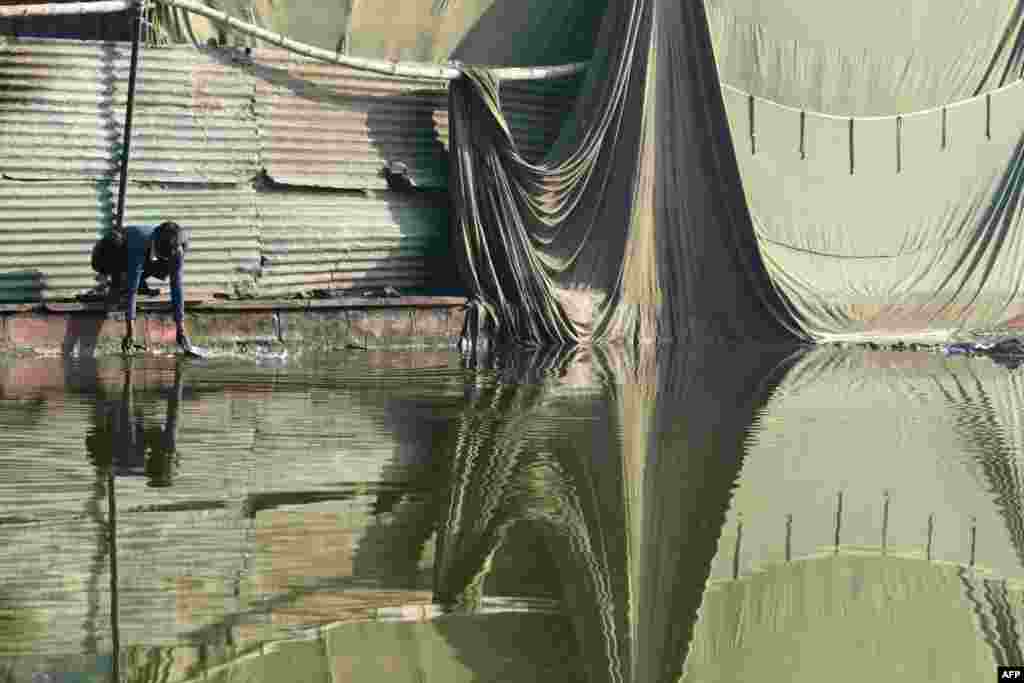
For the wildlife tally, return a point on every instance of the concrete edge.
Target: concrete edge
(87, 329)
(249, 305)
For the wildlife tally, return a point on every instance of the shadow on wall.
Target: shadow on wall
(404, 130)
(401, 127)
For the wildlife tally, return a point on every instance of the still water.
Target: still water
(689, 514)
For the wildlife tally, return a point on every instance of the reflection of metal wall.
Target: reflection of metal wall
(210, 125)
(188, 555)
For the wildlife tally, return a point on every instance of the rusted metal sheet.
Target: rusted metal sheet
(62, 109)
(48, 229)
(201, 117)
(321, 240)
(330, 126)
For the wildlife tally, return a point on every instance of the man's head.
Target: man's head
(169, 241)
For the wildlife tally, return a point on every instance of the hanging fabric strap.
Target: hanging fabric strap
(803, 134)
(750, 119)
(851, 145)
(988, 116)
(899, 144)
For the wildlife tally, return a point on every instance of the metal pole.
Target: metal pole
(129, 111)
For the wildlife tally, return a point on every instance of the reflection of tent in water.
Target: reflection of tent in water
(940, 436)
(631, 518)
(855, 618)
(635, 531)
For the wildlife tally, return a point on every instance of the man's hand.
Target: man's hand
(128, 345)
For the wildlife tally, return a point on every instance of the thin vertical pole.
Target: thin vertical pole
(885, 524)
(126, 145)
(736, 549)
(839, 519)
(789, 537)
(931, 532)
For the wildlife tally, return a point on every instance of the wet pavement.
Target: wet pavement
(694, 514)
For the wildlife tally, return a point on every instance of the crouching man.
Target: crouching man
(144, 252)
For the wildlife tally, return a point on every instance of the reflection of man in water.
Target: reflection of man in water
(120, 438)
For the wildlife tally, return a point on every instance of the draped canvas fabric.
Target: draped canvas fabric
(676, 204)
(903, 224)
(634, 226)
(868, 58)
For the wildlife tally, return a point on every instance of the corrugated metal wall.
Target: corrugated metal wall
(48, 230)
(211, 127)
(331, 126)
(340, 241)
(62, 107)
